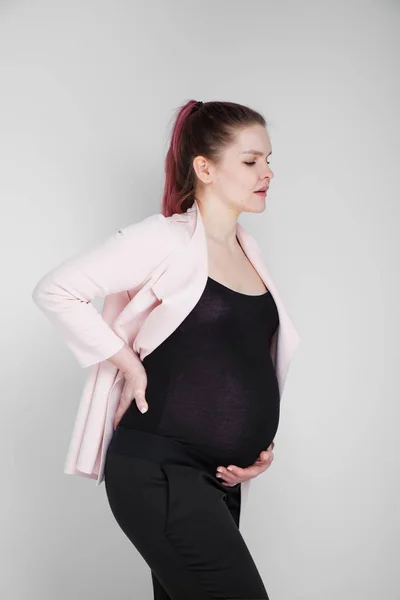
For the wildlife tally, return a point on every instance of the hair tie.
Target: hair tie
(196, 106)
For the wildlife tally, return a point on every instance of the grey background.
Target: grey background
(88, 91)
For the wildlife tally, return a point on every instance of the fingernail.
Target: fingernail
(143, 409)
(230, 468)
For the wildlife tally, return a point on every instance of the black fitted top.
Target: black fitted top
(212, 384)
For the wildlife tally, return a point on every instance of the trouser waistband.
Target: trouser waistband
(158, 448)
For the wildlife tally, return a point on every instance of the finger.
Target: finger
(122, 407)
(264, 457)
(267, 460)
(230, 474)
(225, 477)
(228, 482)
(116, 421)
(260, 466)
(118, 415)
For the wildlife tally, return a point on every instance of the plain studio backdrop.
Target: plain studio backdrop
(88, 93)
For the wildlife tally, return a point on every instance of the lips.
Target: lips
(263, 189)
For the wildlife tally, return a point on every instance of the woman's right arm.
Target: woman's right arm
(121, 262)
(124, 359)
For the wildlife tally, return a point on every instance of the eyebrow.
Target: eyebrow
(255, 152)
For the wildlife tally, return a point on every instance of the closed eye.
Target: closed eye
(253, 163)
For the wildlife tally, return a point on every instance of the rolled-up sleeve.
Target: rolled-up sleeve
(119, 263)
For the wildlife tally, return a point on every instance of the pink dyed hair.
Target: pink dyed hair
(206, 131)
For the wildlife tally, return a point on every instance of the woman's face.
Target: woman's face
(242, 171)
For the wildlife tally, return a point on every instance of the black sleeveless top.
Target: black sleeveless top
(212, 384)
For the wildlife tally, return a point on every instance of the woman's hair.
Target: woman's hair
(199, 129)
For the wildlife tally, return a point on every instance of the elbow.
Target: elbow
(39, 293)
(41, 297)
(43, 293)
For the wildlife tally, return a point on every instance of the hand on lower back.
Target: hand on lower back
(134, 390)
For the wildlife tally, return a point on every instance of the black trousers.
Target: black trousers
(182, 520)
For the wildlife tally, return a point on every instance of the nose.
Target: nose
(266, 176)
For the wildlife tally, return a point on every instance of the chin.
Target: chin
(255, 206)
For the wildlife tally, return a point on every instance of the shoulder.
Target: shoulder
(157, 232)
(151, 225)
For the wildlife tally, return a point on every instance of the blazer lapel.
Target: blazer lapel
(178, 288)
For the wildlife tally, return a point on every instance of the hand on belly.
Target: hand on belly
(232, 475)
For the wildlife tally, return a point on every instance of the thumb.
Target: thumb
(141, 401)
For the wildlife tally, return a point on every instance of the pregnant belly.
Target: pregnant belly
(230, 428)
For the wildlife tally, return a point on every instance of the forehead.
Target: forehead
(254, 137)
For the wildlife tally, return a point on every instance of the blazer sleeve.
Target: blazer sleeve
(120, 262)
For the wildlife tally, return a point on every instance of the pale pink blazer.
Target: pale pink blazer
(150, 274)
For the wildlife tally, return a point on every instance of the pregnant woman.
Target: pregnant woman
(207, 396)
